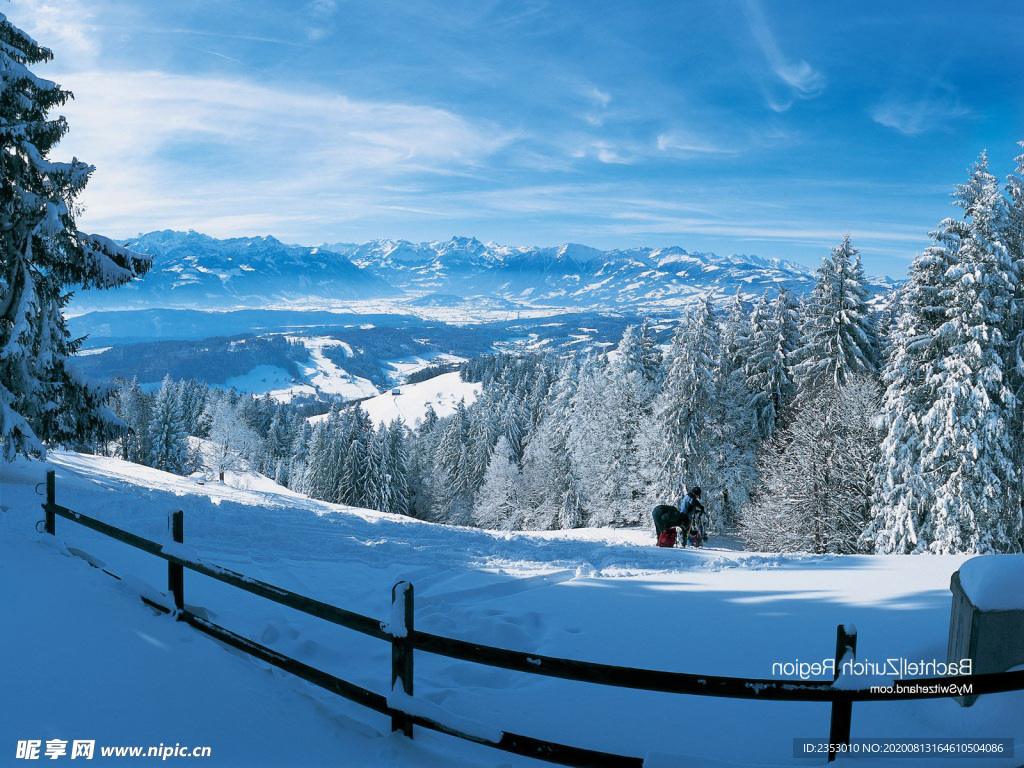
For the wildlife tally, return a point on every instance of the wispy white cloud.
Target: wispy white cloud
(170, 147)
(681, 143)
(803, 80)
(603, 99)
(913, 117)
(68, 27)
(598, 102)
(321, 15)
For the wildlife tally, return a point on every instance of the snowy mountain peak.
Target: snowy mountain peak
(195, 270)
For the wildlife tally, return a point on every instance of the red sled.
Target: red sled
(667, 538)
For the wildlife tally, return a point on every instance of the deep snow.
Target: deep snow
(87, 660)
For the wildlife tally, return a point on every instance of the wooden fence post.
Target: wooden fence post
(842, 711)
(401, 627)
(176, 572)
(51, 501)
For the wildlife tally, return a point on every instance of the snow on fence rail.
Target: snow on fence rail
(406, 711)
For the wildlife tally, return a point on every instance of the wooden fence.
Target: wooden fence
(405, 639)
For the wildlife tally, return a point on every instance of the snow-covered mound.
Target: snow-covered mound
(409, 402)
(94, 663)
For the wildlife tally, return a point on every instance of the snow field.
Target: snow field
(409, 402)
(606, 596)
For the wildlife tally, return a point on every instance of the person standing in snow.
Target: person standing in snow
(689, 509)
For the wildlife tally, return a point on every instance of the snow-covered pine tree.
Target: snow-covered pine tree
(604, 440)
(685, 406)
(1015, 327)
(497, 504)
(773, 340)
(135, 408)
(193, 401)
(43, 398)
(318, 476)
(397, 469)
(169, 442)
(422, 448)
(838, 337)
(818, 475)
(452, 493)
(351, 443)
(552, 494)
(736, 334)
(299, 456)
(967, 448)
(638, 352)
(903, 495)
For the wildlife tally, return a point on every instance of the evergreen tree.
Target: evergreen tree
(952, 483)
(422, 448)
(818, 475)
(903, 495)
(1014, 358)
(684, 407)
(497, 505)
(452, 494)
(135, 408)
(773, 340)
(638, 352)
(552, 494)
(838, 337)
(43, 398)
(967, 445)
(167, 436)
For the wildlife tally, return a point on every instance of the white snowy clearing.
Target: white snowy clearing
(320, 375)
(409, 402)
(85, 659)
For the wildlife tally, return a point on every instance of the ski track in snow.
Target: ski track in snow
(598, 595)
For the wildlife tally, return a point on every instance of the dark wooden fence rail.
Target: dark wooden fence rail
(400, 631)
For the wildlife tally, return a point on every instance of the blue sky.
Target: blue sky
(734, 126)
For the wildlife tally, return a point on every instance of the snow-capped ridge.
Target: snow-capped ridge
(195, 270)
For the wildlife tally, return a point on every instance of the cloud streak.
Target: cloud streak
(803, 80)
(913, 117)
(166, 144)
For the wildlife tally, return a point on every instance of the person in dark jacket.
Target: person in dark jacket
(667, 518)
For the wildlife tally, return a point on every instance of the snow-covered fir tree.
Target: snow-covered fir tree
(169, 449)
(135, 408)
(683, 409)
(903, 495)
(552, 493)
(1014, 358)
(774, 336)
(967, 447)
(497, 504)
(452, 493)
(817, 475)
(838, 337)
(43, 398)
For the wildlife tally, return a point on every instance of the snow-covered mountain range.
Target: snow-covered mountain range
(194, 270)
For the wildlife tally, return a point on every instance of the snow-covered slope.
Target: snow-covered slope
(94, 663)
(409, 402)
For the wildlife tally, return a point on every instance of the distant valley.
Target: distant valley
(344, 321)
